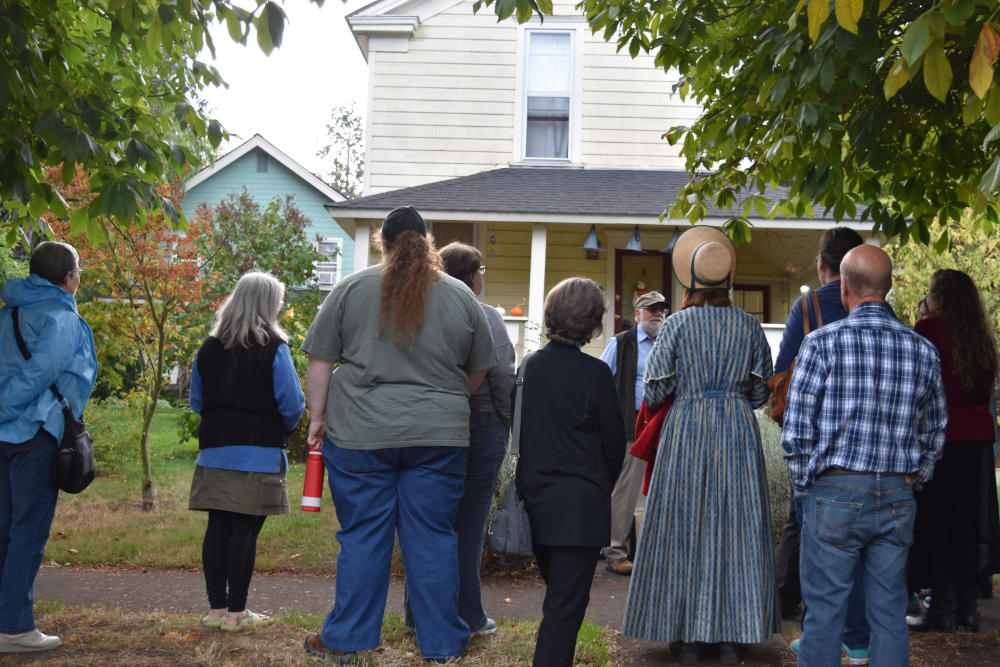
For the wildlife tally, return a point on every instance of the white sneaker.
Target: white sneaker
(33, 640)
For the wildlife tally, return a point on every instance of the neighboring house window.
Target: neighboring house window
(548, 93)
(754, 299)
(328, 268)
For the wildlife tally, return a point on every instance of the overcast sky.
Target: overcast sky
(287, 96)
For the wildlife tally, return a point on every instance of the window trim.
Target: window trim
(334, 267)
(765, 291)
(575, 27)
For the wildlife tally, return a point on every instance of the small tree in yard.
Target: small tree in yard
(140, 279)
(242, 236)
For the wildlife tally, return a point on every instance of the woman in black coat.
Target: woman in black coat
(572, 446)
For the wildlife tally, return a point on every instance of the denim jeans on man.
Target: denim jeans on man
(857, 634)
(846, 519)
(27, 505)
(412, 490)
(487, 448)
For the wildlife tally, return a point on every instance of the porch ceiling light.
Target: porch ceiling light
(673, 239)
(634, 243)
(591, 245)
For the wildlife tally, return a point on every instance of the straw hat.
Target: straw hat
(704, 258)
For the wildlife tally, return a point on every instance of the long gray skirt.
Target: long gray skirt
(254, 493)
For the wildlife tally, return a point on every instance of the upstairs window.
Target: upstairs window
(548, 91)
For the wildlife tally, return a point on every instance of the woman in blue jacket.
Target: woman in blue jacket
(31, 424)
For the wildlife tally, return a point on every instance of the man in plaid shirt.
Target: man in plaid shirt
(864, 422)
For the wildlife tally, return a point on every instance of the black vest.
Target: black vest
(625, 365)
(237, 396)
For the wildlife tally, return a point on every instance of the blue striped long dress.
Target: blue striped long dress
(704, 566)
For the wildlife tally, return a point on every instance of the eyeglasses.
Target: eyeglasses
(482, 270)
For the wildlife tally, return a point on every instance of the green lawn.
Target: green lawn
(106, 525)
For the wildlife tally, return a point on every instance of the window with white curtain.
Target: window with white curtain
(548, 91)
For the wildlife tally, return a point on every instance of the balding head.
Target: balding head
(866, 275)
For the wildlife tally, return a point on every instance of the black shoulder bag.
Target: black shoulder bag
(510, 531)
(73, 463)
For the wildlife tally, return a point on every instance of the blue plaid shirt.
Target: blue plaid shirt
(866, 395)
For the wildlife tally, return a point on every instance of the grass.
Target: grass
(101, 636)
(105, 525)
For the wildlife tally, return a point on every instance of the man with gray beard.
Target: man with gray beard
(626, 355)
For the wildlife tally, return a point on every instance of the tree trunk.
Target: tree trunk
(148, 487)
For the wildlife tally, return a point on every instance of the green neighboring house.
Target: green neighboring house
(266, 173)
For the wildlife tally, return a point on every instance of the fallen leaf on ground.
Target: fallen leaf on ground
(74, 551)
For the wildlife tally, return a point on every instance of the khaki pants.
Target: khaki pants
(624, 498)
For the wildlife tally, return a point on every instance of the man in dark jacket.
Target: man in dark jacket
(626, 355)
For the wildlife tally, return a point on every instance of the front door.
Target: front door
(637, 272)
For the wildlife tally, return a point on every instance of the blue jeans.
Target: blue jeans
(856, 630)
(27, 505)
(846, 520)
(413, 491)
(487, 448)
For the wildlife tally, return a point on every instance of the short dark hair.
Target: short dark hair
(835, 243)
(574, 311)
(461, 261)
(52, 260)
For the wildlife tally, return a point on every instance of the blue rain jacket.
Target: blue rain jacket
(62, 348)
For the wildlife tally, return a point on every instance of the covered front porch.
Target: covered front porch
(526, 252)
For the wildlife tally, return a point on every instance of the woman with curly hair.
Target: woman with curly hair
(962, 494)
(572, 446)
(411, 343)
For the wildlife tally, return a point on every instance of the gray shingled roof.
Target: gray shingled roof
(541, 190)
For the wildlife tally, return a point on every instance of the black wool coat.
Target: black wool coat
(572, 447)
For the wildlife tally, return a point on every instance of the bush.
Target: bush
(778, 480)
(116, 426)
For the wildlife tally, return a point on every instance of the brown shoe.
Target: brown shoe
(622, 566)
(315, 646)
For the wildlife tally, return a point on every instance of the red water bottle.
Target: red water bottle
(312, 491)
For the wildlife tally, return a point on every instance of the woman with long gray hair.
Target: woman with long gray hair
(245, 387)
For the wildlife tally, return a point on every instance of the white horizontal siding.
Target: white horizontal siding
(445, 107)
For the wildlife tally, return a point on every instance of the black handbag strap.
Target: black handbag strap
(24, 349)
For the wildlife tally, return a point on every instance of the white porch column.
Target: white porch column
(536, 290)
(362, 244)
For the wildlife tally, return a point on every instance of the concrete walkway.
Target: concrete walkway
(520, 597)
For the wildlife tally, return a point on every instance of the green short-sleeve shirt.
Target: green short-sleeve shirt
(386, 395)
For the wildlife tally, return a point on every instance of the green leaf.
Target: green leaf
(505, 8)
(971, 110)
(263, 35)
(78, 221)
(545, 6)
(275, 17)
(993, 106)
(899, 75)
(992, 136)
(215, 132)
(915, 39)
(937, 72)
(794, 19)
(818, 11)
(991, 179)
(848, 12)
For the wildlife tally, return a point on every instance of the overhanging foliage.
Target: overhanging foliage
(881, 110)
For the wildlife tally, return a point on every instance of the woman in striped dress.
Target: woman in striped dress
(704, 565)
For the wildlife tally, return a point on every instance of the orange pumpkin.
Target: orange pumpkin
(517, 311)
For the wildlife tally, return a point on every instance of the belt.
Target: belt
(844, 471)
